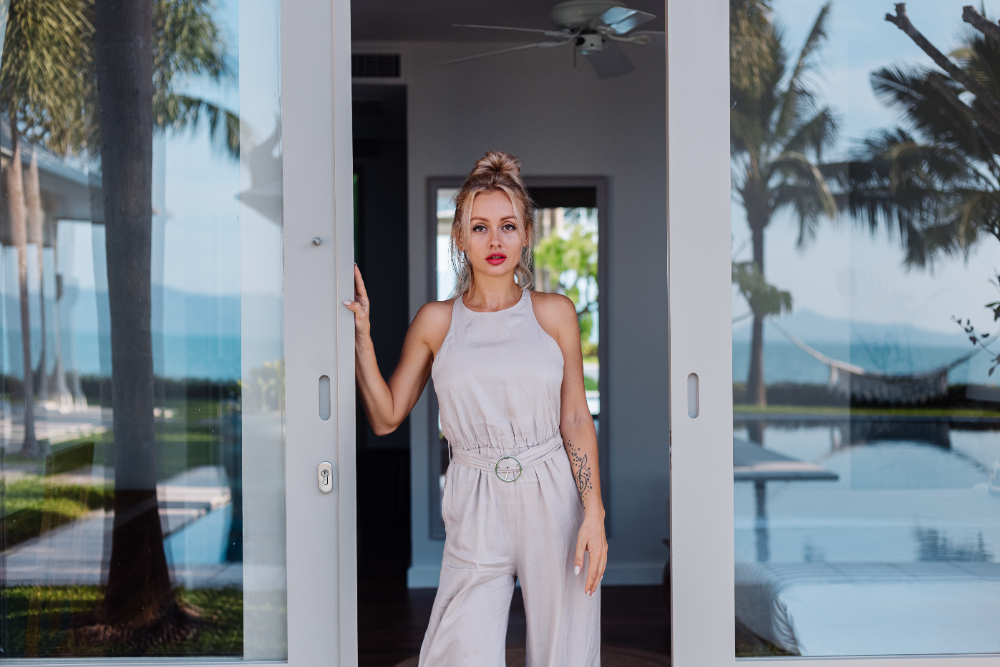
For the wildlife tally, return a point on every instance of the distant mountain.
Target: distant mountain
(813, 328)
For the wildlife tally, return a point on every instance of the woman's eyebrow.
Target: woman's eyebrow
(506, 217)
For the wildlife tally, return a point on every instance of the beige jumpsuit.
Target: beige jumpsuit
(498, 377)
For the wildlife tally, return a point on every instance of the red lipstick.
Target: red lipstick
(497, 258)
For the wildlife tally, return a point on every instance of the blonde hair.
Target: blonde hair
(496, 171)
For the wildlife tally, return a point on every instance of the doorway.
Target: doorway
(592, 143)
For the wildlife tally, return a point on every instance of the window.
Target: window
(179, 473)
(866, 431)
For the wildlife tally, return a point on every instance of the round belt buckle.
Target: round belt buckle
(508, 474)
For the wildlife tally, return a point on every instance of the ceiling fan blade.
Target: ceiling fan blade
(610, 62)
(641, 37)
(547, 33)
(620, 20)
(536, 45)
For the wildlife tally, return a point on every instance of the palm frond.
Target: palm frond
(798, 98)
(797, 167)
(47, 70)
(805, 190)
(817, 35)
(749, 32)
(179, 112)
(47, 75)
(186, 41)
(816, 134)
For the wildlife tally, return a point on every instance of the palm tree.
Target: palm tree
(933, 182)
(42, 93)
(777, 139)
(139, 49)
(120, 62)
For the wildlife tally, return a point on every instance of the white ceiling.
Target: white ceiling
(430, 20)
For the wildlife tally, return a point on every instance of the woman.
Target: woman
(522, 498)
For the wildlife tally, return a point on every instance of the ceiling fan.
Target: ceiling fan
(592, 27)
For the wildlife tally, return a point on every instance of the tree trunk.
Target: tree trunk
(139, 593)
(19, 232)
(756, 391)
(63, 395)
(36, 235)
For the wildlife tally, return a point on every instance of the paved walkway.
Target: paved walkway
(75, 553)
(51, 424)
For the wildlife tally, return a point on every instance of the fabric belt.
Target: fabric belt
(509, 468)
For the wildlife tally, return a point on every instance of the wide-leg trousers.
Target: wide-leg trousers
(496, 531)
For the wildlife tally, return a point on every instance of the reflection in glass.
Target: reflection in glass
(867, 420)
(566, 263)
(135, 339)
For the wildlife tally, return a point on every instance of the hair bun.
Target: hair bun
(498, 163)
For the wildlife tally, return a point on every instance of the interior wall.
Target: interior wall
(562, 121)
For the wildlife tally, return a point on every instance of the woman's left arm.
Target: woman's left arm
(558, 317)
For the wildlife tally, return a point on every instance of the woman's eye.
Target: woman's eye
(479, 228)
(509, 227)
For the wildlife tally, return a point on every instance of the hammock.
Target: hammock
(857, 383)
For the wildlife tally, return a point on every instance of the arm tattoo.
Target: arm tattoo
(579, 462)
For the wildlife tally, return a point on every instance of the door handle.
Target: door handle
(694, 406)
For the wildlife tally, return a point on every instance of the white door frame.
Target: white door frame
(700, 341)
(699, 333)
(319, 333)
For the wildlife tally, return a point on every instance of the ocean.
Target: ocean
(785, 362)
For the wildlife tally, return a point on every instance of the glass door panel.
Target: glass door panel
(866, 428)
(142, 442)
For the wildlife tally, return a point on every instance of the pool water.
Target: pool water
(895, 501)
(201, 542)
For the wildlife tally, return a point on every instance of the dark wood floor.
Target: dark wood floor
(392, 621)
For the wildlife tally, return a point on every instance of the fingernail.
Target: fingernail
(576, 570)
(347, 303)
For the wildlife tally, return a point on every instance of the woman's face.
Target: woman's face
(495, 237)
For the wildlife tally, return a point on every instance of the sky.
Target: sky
(844, 272)
(206, 243)
(213, 246)
(206, 235)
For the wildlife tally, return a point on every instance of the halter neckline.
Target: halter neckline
(524, 297)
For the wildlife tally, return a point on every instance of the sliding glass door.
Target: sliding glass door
(160, 367)
(856, 514)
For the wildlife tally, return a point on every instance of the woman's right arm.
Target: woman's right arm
(387, 403)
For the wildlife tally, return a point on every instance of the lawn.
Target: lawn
(52, 622)
(33, 506)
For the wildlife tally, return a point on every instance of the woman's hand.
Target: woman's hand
(592, 539)
(360, 306)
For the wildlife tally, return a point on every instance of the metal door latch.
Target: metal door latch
(324, 475)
